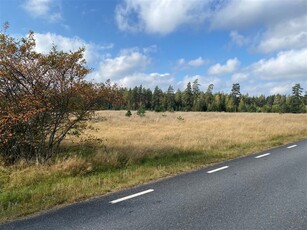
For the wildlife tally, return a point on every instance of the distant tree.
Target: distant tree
(269, 104)
(297, 100)
(188, 98)
(170, 99)
(141, 96)
(127, 98)
(157, 99)
(209, 99)
(135, 98)
(195, 87)
(148, 99)
(200, 104)
(276, 108)
(178, 100)
(235, 92)
(260, 101)
(217, 104)
(196, 94)
(164, 102)
(242, 105)
(230, 103)
(251, 108)
(210, 89)
(280, 104)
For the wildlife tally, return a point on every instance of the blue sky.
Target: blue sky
(260, 44)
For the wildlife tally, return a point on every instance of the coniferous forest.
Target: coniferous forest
(193, 99)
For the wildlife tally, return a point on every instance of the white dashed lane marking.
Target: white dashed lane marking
(292, 146)
(263, 155)
(218, 169)
(131, 196)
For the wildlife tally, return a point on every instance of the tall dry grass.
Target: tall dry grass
(196, 131)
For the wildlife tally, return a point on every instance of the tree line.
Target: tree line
(193, 99)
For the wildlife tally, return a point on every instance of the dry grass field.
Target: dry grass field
(197, 131)
(116, 152)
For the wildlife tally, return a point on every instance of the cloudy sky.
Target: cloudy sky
(260, 44)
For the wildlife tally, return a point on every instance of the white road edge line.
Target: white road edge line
(292, 146)
(218, 169)
(263, 155)
(131, 196)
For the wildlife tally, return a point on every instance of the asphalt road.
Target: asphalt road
(267, 190)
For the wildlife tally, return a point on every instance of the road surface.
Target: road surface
(267, 190)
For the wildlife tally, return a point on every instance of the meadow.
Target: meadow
(115, 152)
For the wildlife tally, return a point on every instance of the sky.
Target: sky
(261, 44)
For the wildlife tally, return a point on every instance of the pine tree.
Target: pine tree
(178, 100)
(188, 98)
(230, 104)
(276, 107)
(209, 98)
(135, 98)
(242, 105)
(196, 93)
(235, 92)
(148, 99)
(170, 99)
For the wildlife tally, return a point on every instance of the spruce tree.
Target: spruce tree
(157, 99)
(297, 104)
(188, 98)
(170, 99)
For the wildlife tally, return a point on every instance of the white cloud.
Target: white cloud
(238, 39)
(238, 14)
(239, 77)
(150, 49)
(280, 89)
(287, 34)
(197, 62)
(159, 16)
(277, 25)
(194, 63)
(150, 80)
(128, 69)
(44, 43)
(230, 66)
(46, 9)
(129, 62)
(290, 64)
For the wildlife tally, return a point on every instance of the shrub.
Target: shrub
(180, 118)
(42, 98)
(141, 112)
(128, 113)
